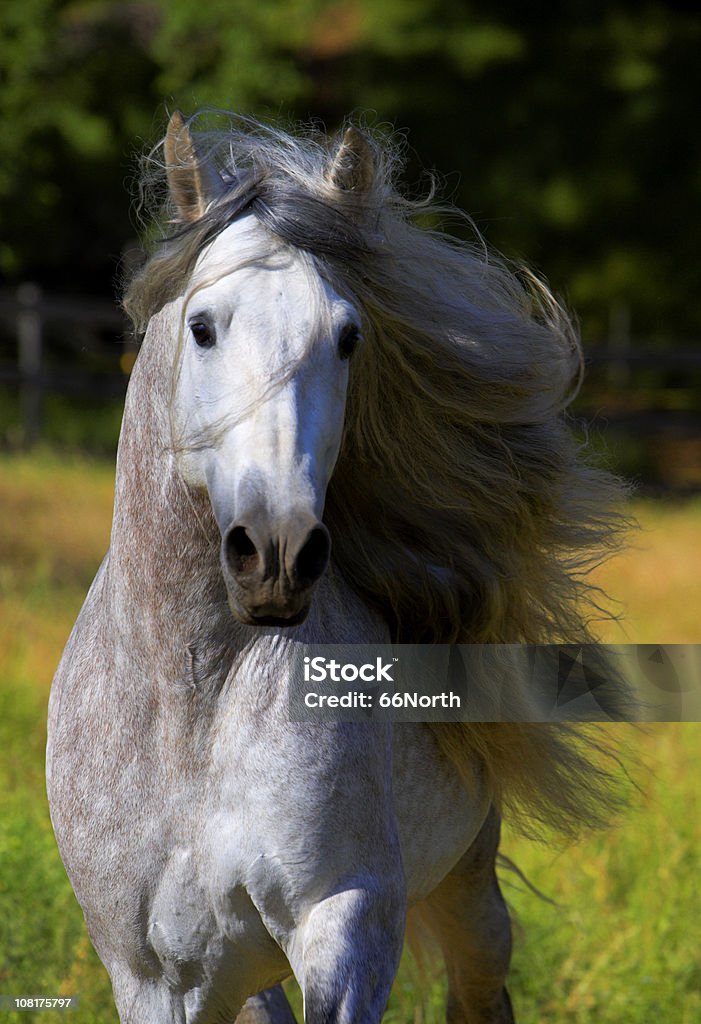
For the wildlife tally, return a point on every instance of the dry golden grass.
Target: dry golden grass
(54, 531)
(656, 580)
(55, 515)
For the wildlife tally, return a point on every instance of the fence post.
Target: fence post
(29, 344)
(618, 370)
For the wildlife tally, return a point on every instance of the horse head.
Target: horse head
(259, 394)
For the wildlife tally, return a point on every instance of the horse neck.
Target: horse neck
(166, 588)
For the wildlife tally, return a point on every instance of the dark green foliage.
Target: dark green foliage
(567, 131)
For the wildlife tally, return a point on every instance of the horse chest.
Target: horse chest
(271, 820)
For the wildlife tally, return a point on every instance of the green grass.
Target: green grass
(619, 946)
(65, 422)
(622, 943)
(44, 949)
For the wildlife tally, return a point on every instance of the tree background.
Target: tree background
(568, 131)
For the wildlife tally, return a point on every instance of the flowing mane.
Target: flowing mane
(461, 505)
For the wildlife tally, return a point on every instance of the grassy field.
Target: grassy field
(619, 944)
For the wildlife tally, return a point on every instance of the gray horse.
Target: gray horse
(316, 370)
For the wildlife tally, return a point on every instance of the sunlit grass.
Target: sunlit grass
(619, 946)
(621, 942)
(656, 579)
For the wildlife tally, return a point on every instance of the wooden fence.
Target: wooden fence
(31, 321)
(96, 352)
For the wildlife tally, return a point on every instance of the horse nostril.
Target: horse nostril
(314, 556)
(241, 552)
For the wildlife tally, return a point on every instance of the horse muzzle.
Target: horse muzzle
(270, 574)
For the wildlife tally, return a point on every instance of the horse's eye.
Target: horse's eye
(203, 334)
(348, 341)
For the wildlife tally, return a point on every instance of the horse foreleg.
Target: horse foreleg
(346, 953)
(267, 1007)
(468, 916)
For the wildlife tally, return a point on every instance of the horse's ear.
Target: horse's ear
(353, 167)
(193, 182)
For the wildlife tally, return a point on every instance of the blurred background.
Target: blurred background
(570, 133)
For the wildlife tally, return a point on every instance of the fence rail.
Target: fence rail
(29, 299)
(655, 359)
